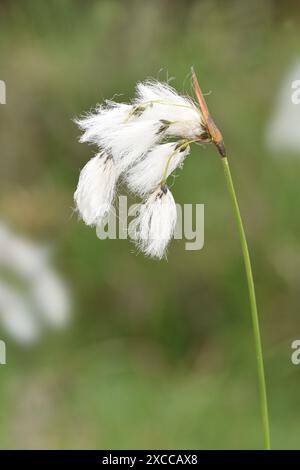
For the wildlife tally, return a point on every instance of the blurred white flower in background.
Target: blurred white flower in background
(283, 130)
(16, 315)
(32, 295)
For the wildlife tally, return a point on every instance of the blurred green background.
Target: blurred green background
(158, 354)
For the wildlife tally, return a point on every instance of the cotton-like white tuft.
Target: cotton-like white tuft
(105, 119)
(160, 162)
(155, 224)
(156, 100)
(116, 129)
(134, 136)
(131, 141)
(153, 90)
(95, 191)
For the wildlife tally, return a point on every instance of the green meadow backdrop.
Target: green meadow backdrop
(156, 354)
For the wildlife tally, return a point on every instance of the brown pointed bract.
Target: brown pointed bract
(213, 131)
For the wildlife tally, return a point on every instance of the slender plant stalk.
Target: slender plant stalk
(254, 314)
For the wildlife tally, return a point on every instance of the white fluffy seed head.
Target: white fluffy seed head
(156, 100)
(131, 134)
(105, 119)
(95, 191)
(160, 162)
(128, 132)
(155, 91)
(132, 141)
(116, 130)
(155, 223)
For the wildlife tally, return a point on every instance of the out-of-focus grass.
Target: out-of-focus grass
(159, 354)
(125, 395)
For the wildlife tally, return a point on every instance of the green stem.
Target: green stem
(254, 314)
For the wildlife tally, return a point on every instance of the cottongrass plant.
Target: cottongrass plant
(142, 144)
